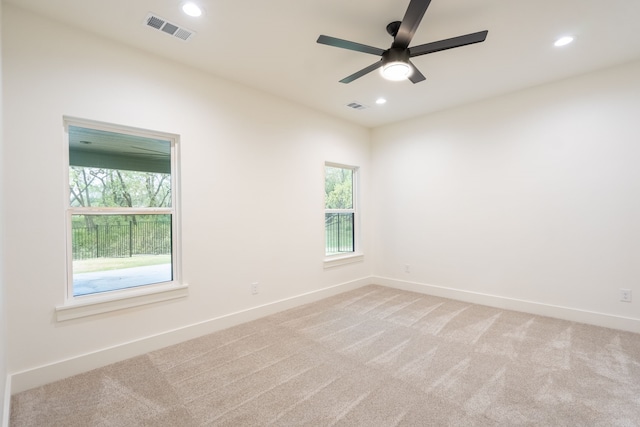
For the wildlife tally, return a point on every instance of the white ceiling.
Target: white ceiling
(271, 45)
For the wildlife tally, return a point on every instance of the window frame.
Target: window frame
(357, 255)
(85, 305)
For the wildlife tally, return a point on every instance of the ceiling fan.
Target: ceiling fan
(395, 61)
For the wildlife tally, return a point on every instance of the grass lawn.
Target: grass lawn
(103, 264)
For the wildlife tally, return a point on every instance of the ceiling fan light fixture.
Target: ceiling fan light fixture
(395, 64)
(396, 71)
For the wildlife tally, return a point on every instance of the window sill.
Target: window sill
(97, 304)
(338, 260)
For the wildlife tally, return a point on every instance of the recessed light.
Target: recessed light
(563, 41)
(381, 101)
(192, 9)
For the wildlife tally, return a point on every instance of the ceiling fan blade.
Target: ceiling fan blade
(361, 73)
(346, 44)
(416, 76)
(410, 23)
(467, 39)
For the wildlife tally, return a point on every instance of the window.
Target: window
(340, 214)
(121, 212)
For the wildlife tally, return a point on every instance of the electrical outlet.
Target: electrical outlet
(407, 268)
(254, 288)
(625, 295)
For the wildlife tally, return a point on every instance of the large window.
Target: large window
(121, 214)
(340, 214)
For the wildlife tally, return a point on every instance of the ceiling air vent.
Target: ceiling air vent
(154, 21)
(357, 106)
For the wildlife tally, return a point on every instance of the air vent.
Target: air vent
(357, 106)
(154, 21)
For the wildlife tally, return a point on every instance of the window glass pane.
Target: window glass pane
(338, 188)
(100, 187)
(112, 150)
(111, 169)
(339, 233)
(112, 252)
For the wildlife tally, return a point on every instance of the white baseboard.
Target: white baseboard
(35, 377)
(558, 312)
(6, 405)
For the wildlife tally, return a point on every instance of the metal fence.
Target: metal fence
(339, 232)
(122, 240)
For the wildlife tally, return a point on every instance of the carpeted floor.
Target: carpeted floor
(370, 357)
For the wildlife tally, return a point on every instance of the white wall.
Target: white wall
(252, 190)
(3, 334)
(530, 197)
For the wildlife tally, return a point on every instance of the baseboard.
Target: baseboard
(558, 312)
(6, 405)
(35, 377)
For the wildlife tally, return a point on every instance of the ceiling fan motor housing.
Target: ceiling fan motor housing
(395, 54)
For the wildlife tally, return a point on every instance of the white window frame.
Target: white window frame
(86, 305)
(357, 255)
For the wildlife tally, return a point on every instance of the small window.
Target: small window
(121, 212)
(340, 215)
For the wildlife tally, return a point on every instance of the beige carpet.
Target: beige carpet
(371, 357)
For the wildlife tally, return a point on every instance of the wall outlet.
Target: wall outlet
(625, 295)
(407, 268)
(254, 288)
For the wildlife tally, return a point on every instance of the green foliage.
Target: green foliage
(99, 187)
(338, 188)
